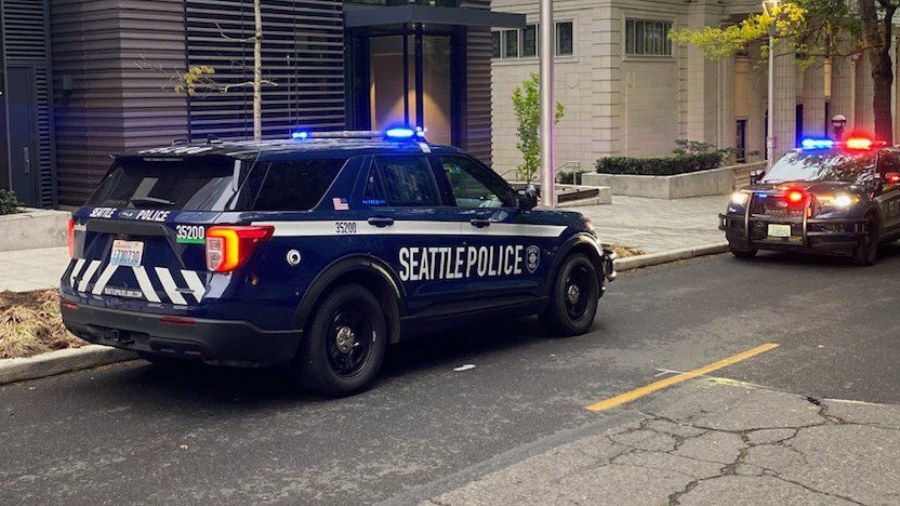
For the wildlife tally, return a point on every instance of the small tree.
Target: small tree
(527, 104)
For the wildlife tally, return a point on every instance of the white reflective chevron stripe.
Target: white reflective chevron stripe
(403, 227)
(104, 279)
(146, 286)
(194, 283)
(165, 277)
(88, 274)
(79, 264)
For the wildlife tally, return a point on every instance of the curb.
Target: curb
(627, 264)
(59, 362)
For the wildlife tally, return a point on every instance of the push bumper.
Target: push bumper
(810, 234)
(608, 272)
(212, 341)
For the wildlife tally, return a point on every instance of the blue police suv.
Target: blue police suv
(316, 252)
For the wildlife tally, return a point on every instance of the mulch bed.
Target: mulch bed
(30, 324)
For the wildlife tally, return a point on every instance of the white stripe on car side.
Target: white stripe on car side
(168, 283)
(104, 279)
(88, 274)
(75, 270)
(146, 285)
(402, 227)
(194, 283)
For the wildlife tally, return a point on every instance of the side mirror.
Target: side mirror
(527, 198)
(756, 176)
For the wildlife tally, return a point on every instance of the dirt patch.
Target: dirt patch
(30, 324)
(627, 251)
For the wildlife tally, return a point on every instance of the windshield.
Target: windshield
(826, 165)
(193, 184)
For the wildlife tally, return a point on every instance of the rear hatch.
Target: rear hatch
(140, 240)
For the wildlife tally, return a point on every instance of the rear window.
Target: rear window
(195, 184)
(297, 185)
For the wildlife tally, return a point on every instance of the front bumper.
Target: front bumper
(608, 269)
(811, 234)
(212, 341)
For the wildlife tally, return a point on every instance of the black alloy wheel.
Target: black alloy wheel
(343, 346)
(574, 298)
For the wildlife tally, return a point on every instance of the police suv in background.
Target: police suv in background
(826, 197)
(316, 253)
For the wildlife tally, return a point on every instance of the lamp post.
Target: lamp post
(548, 109)
(839, 122)
(771, 7)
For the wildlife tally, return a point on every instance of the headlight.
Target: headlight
(838, 201)
(740, 198)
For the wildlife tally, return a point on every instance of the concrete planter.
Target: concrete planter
(32, 229)
(697, 184)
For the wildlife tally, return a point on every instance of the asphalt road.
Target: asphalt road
(136, 434)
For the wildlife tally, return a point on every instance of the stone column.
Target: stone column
(702, 77)
(842, 80)
(785, 106)
(864, 116)
(726, 121)
(814, 101)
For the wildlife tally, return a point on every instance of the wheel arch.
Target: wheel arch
(583, 243)
(365, 270)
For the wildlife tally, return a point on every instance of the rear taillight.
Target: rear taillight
(70, 237)
(228, 248)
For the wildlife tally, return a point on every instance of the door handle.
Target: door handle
(480, 222)
(26, 157)
(381, 222)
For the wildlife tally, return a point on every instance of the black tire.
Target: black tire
(866, 253)
(332, 360)
(742, 252)
(573, 298)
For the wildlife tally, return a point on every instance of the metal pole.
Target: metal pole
(771, 142)
(548, 107)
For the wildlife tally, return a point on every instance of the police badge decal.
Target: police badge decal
(532, 259)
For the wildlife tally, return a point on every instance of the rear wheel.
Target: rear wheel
(866, 252)
(344, 345)
(573, 298)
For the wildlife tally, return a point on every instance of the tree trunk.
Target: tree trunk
(878, 37)
(257, 72)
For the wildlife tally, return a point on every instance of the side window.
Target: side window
(888, 162)
(473, 186)
(406, 181)
(296, 185)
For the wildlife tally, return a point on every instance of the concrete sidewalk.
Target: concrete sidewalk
(649, 224)
(658, 225)
(34, 269)
(711, 442)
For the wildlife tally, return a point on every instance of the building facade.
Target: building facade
(107, 72)
(629, 91)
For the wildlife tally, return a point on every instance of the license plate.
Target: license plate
(780, 231)
(127, 253)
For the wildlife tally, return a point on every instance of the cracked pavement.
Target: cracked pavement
(712, 441)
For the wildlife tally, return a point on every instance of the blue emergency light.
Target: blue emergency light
(812, 144)
(300, 135)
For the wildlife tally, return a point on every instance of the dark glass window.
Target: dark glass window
(297, 185)
(474, 186)
(191, 184)
(406, 181)
(495, 44)
(565, 42)
(529, 41)
(647, 38)
(511, 44)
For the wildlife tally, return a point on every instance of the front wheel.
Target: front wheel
(344, 345)
(573, 298)
(866, 253)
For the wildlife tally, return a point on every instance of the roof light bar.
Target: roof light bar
(812, 144)
(860, 143)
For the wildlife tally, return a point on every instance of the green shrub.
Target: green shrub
(687, 157)
(9, 204)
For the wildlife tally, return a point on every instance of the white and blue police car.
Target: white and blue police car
(316, 252)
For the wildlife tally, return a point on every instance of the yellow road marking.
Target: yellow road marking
(674, 380)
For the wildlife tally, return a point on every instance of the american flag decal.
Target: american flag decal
(340, 204)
